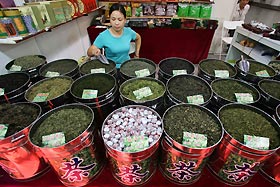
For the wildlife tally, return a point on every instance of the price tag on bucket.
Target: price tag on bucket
(194, 140)
(52, 74)
(244, 97)
(2, 91)
(179, 72)
(221, 73)
(142, 73)
(262, 73)
(195, 99)
(98, 70)
(89, 94)
(41, 97)
(3, 130)
(15, 68)
(53, 140)
(142, 92)
(256, 142)
(135, 143)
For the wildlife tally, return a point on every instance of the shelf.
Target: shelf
(159, 1)
(18, 39)
(266, 6)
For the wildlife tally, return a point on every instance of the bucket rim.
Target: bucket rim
(193, 76)
(240, 81)
(186, 148)
(27, 70)
(165, 60)
(142, 78)
(268, 80)
(138, 59)
(93, 75)
(213, 76)
(85, 134)
(150, 148)
(91, 61)
(44, 80)
(47, 65)
(240, 144)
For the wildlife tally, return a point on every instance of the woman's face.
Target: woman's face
(117, 20)
(244, 2)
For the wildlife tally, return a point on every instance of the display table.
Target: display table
(106, 180)
(161, 43)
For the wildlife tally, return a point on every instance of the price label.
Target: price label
(244, 97)
(221, 73)
(2, 91)
(142, 92)
(53, 140)
(15, 68)
(41, 97)
(98, 70)
(52, 74)
(142, 73)
(135, 143)
(179, 72)
(194, 140)
(89, 94)
(256, 142)
(195, 99)
(262, 73)
(3, 130)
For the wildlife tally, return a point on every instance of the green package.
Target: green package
(183, 10)
(194, 11)
(205, 11)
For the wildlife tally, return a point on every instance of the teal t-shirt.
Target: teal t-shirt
(116, 48)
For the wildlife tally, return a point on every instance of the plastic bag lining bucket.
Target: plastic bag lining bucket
(105, 102)
(175, 156)
(71, 68)
(231, 151)
(16, 94)
(80, 154)
(173, 62)
(143, 162)
(18, 157)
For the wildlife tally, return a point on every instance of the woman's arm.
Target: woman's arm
(137, 45)
(93, 51)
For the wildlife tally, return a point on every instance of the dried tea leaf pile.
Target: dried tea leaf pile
(12, 81)
(54, 86)
(96, 64)
(129, 68)
(271, 87)
(191, 119)
(211, 65)
(275, 65)
(226, 88)
(239, 121)
(18, 116)
(61, 66)
(72, 122)
(156, 88)
(256, 67)
(182, 86)
(169, 65)
(28, 62)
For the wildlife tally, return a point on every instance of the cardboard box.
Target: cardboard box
(74, 8)
(66, 9)
(56, 8)
(33, 11)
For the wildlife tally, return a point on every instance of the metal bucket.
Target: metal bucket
(79, 161)
(204, 89)
(169, 67)
(17, 155)
(14, 85)
(62, 67)
(134, 168)
(181, 164)
(275, 64)
(133, 69)
(156, 103)
(49, 104)
(95, 66)
(107, 98)
(252, 77)
(268, 101)
(218, 100)
(233, 162)
(33, 72)
(209, 74)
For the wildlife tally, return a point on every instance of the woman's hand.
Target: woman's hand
(93, 51)
(136, 56)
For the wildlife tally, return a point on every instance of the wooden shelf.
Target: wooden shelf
(18, 39)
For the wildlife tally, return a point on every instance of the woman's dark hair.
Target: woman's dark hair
(119, 7)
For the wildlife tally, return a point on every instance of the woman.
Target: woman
(116, 40)
(240, 10)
